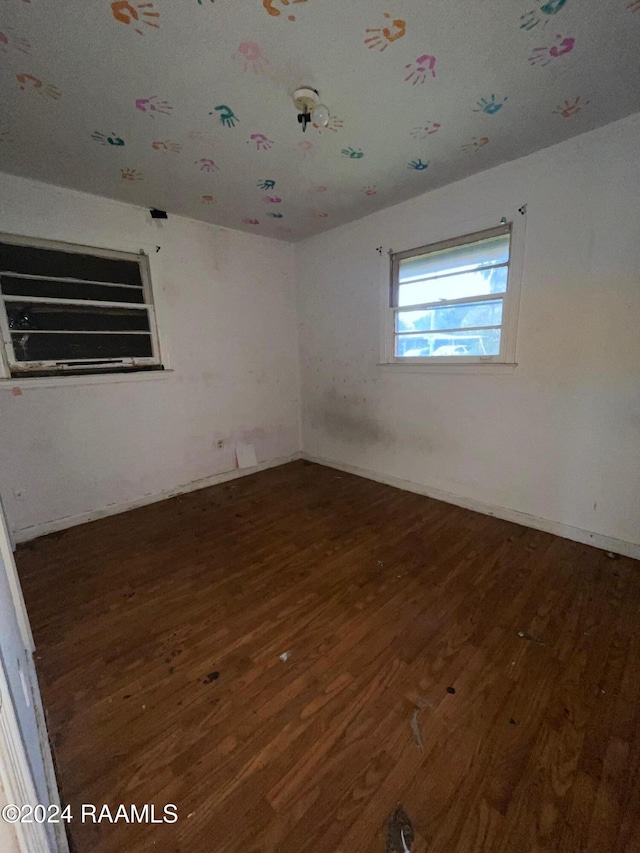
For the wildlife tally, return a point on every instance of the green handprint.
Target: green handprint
(352, 153)
(227, 116)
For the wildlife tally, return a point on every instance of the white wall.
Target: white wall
(227, 317)
(559, 438)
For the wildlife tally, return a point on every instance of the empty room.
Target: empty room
(319, 426)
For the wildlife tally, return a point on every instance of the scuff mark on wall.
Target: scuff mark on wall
(345, 416)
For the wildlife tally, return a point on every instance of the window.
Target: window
(72, 310)
(450, 301)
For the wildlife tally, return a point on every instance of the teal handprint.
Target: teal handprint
(489, 106)
(418, 165)
(266, 185)
(103, 139)
(352, 154)
(275, 215)
(533, 18)
(227, 116)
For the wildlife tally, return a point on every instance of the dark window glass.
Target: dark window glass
(59, 347)
(32, 261)
(80, 290)
(39, 316)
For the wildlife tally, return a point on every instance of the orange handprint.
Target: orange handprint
(166, 145)
(475, 144)
(130, 175)
(384, 37)
(334, 124)
(37, 85)
(268, 5)
(124, 12)
(567, 109)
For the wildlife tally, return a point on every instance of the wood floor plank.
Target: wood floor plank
(484, 675)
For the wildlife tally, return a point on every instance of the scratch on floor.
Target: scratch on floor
(415, 727)
(527, 636)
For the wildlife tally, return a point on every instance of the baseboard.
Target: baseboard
(25, 534)
(577, 534)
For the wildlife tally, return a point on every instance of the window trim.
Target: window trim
(467, 232)
(52, 369)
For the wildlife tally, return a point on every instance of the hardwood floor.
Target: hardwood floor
(159, 634)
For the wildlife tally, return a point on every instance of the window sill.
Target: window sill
(488, 368)
(26, 382)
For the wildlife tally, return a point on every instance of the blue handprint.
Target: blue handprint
(227, 116)
(490, 106)
(266, 185)
(352, 153)
(418, 165)
(275, 215)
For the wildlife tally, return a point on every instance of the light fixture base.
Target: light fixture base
(305, 99)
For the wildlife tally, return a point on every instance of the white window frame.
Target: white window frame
(511, 298)
(75, 368)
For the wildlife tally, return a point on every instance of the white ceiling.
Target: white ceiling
(135, 110)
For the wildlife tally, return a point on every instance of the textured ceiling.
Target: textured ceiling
(186, 105)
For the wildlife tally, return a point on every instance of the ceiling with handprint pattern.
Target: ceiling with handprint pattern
(187, 106)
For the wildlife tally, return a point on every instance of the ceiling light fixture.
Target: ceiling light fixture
(307, 102)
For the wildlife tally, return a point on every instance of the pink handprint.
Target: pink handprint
(252, 57)
(124, 12)
(370, 190)
(251, 221)
(307, 148)
(268, 5)
(207, 165)
(152, 105)
(261, 141)
(543, 55)
(429, 128)
(634, 6)
(418, 70)
(10, 42)
(271, 199)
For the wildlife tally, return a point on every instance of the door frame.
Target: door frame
(15, 770)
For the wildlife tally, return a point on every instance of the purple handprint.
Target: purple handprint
(419, 69)
(261, 141)
(207, 165)
(153, 105)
